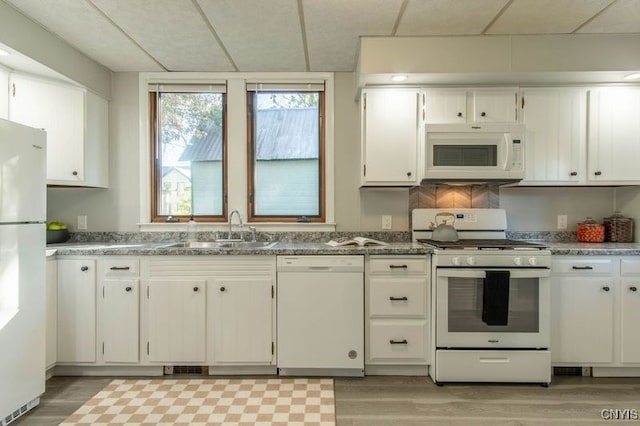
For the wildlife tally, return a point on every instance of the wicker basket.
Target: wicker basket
(618, 229)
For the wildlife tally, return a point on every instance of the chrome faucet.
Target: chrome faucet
(231, 222)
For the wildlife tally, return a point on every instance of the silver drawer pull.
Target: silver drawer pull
(120, 268)
(399, 342)
(582, 267)
(398, 266)
(403, 298)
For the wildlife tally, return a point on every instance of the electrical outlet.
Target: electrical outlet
(82, 223)
(386, 221)
(562, 221)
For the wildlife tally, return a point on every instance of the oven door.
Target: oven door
(461, 308)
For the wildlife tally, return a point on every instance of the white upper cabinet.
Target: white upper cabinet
(555, 120)
(391, 129)
(466, 105)
(614, 135)
(76, 123)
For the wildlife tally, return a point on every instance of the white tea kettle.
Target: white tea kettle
(443, 231)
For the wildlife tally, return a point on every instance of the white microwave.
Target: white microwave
(474, 152)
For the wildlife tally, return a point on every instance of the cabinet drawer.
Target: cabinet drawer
(398, 265)
(121, 267)
(493, 366)
(630, 267)
(581, 266)
(401, 340)
(397, 297)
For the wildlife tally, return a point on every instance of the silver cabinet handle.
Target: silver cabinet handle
(223, 289)
(399, 342)
(84, 268)
(606, 288)
(582, 267)
(128, 289)
(120, 268)
(196, 289)
(398, 266)
(398, 298)
(633, 288)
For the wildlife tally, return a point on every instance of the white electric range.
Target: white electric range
(491, 300)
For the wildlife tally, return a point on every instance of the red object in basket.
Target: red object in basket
(590, 231)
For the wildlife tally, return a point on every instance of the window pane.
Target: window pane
(191, 154)
(286, 153)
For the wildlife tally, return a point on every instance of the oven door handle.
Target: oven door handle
(480, 273)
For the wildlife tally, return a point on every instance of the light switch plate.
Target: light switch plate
(386, 221)
(562, 221)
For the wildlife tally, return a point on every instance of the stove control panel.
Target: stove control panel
(541, 259)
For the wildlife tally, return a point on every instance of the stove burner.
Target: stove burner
(484, 244)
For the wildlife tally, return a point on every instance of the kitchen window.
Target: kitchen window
(188, 144)
(285, 152)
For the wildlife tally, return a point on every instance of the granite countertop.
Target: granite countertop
(593, 249)
(148, 249)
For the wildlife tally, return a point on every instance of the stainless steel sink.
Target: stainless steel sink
(221, 244)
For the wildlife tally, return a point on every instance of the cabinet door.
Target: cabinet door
(58, 109)
(630, 319)
(97, 142)
(76, 311)
(555, 139)
(445, 106)
(390, 136)
(582, 320)
(495, 105)
(242, 320)
(614, 135)
(176, 320)
(120, 320)
(52, 312)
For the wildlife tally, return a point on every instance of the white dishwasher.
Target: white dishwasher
(321, 315)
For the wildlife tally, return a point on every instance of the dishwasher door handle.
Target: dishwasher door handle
(319, 268)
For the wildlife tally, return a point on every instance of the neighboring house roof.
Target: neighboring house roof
(283, 134)
(182, 173)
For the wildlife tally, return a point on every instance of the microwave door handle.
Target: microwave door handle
(508, 149)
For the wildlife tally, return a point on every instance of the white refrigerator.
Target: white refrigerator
(22, 268)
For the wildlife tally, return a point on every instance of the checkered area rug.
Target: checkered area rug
(292, 401)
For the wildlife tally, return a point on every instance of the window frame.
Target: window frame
(251, 216)
(155, 166)
(236, 116)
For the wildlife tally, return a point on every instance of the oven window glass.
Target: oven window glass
(465, 155)
(465, 306)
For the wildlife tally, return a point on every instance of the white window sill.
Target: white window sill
(260, 227)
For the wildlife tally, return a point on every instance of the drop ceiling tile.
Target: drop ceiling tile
(334, 26)
(82, 26)
(622, 17)
(172, 31)
(546, 16)
(448, 17)
(259, 35)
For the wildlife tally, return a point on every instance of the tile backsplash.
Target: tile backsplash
(444, 196)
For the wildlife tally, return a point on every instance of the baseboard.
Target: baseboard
(615, 371)
(108, 370)
(396, 370)
(257, 370)
(321, 372)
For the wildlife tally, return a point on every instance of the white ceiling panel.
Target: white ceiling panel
(448, 17)
(172, 31)
(259, 35)
(546, 16)
(622, 17)
(82, 26)
(334, 26)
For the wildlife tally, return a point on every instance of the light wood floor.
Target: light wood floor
(377, 400)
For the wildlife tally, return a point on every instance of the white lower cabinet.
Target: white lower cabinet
(118, 310)
(176, 320)
(209, 310)
(76, 319)
(595, 312)
(397, 328)
(51, 333)
(242, 319)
